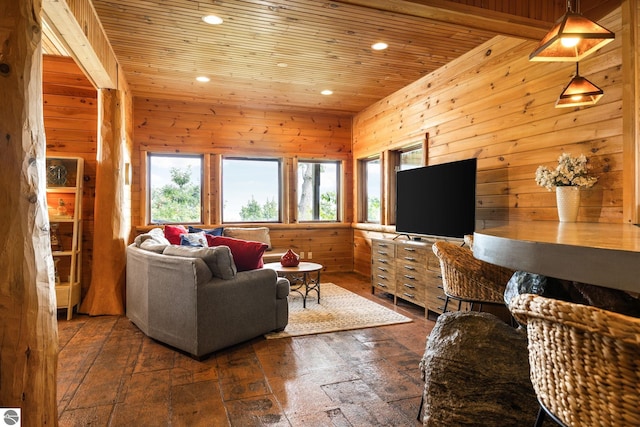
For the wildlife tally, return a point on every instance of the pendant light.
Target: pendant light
(572, 38)
(579, 92)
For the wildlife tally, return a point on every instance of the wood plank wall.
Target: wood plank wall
(71, 122)
(496, 105)
(214, 130)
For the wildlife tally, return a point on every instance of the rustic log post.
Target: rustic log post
(105, 295)
(28, 324)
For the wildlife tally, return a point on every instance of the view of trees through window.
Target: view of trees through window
(411, 158)
(175, 184)
(318, 191)
(372, 180)
(250, 190)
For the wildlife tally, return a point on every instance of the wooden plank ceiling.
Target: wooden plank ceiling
(284, 53)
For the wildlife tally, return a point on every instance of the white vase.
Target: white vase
(568, 201)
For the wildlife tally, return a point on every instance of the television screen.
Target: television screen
(438, 200)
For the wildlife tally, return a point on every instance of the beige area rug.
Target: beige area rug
(339, 310)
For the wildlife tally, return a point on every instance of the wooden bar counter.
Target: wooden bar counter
(595, 253)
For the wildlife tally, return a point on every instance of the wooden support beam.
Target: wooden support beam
(28, 323)
(76, 22)
(631, 110)
(461, 14)
(106, 293)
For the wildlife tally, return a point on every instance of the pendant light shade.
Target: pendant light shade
(579, 92)
(572, 38)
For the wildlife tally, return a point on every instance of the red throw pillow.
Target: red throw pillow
(247, 255)
(173, 232)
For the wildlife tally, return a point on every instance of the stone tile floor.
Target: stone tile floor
(110, 374)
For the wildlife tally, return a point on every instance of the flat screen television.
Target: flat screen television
(438, 200)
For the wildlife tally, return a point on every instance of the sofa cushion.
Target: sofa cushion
(218, 259)
(247, 255)
(194, 239)
(255, 234)
(173, 232)
(213, 231)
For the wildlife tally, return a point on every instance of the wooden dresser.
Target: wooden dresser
(409, 270)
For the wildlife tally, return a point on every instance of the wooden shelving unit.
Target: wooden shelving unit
(64, 202)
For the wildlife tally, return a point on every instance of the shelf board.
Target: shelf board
(62, 190)
(62, 253)
(56, 218)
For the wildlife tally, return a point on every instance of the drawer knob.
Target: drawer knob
(382, 269)
(408, 267)
(382, 261)
(408, 258)
(409, 295)
(382, 277)
(409, 286)
(410, 277)
(382, 285)
(409, 249)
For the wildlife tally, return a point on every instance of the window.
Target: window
(318, 191)
(175, 188)
(250, 190)
(372, 194)
(410, 158)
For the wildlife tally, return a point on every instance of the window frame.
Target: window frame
(149, 156)
(394, 159)
(280, 191)
(316, 201)
(363, 193)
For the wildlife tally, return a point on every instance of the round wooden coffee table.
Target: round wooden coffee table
(300, 276)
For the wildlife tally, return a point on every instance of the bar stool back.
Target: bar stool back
(584, 361)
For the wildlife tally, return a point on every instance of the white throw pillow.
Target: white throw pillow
(153, 241)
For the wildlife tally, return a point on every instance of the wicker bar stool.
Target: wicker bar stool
(584, 361)
(468, 279)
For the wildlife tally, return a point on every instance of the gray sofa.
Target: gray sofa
(182, 300)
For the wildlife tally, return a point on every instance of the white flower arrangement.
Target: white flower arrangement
(571, 171)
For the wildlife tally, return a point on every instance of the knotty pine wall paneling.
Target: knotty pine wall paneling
(71, 129)
(496, 105)
(216, 131)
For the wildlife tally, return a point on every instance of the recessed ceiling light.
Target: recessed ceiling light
(212, 19)
(327, 92)
(282, 64)
(203, 79)
(379, 46)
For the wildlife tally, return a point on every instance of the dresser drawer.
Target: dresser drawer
(384, 286)
(413, 290)
(415, 270)
(412, 253)
(410, 284)
(383, 249)
(383, 279)
(410, 292)
(435, 303)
